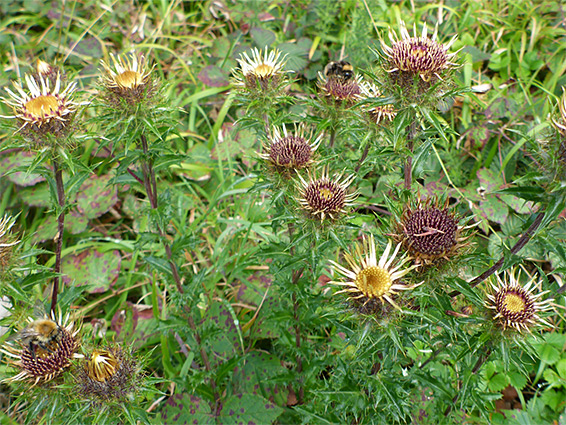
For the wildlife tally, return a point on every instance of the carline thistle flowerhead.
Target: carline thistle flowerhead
(516, 306)
(325, 198)
(340, 90)
(291, 151)
(41, 110)
(41, 360)
(430, 231)
(261, 73)
(368, 279)
(108, 374)
(422, 58)
(380, 113)
(128, 79)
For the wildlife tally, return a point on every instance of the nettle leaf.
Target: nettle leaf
(19, 159)
(186, 409)
(249, 409)
(549, 354)
(96, 196)
(498, 382)
(92, 267)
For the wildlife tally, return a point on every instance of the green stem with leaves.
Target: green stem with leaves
(60, 189)
(150, 186)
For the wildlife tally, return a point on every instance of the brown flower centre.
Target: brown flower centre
(42, 106)
(128, 79)
(431, 231)
(514, 303)
(373, 282)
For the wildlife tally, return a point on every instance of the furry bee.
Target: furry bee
(340, 69)
(40, 333)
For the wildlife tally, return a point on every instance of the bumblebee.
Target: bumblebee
(340, 69)
(40, 333)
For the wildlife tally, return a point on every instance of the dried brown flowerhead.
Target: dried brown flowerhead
(417, 67)
(430, 231)
(341, 91)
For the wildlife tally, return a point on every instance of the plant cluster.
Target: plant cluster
(369, 237)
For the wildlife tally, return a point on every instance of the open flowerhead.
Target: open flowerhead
(127, 80)
(43, 350)
(108, 374)
(366, 278)
(41, 109)
(517, 306)
(260, 72)
(325, 198)
(418, 56)
(377, 114)
(291, 151)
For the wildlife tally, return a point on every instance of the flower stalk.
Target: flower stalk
(60, 188)
(150, 186)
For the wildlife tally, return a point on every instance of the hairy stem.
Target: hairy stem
(515, 249)
(150, 185)
(58, 174)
